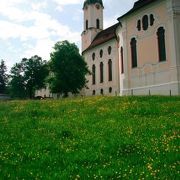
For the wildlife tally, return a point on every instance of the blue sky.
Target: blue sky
(32, 27)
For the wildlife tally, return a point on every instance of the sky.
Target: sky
(32, 27)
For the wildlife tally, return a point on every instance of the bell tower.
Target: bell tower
(93, 21)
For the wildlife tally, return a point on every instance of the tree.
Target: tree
(69, 69)
(29, 75)
(17, 83)
(3, 77)
(35, 72)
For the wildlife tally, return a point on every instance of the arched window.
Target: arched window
(101, 53)
(93, 74)
(109, 50)
(134, 52)
(93, 56)
(161, 44)
(97, 24)
(86, 24)
(139, 25)
(145, 22)
(110, 70)
(101, 73)
(122, 61)
(94, 92)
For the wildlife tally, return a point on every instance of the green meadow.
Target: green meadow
(90, 138)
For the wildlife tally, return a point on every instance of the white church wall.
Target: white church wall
(114, 84)
(176, 26)
(45, 93)
(150, 76)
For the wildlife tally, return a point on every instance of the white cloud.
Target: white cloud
(41, 30)
(115, 9)
(68, 2)
(110, 21)
(42, 48)
(36, 26)
(62, 3)
(39, 6)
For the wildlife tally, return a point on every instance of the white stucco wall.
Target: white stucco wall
(45, 93)
(150, 76)
(114, 84)
(176, 27)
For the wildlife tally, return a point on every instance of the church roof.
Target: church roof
(87, 2)
(104, 36)
(138, 5)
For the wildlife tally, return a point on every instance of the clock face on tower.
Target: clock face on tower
(86, 7)
(97, 5)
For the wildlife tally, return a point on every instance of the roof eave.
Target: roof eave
(91, 47)
(134, 10)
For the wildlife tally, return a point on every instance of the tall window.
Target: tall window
(86, 24)
(101, 73)
(161, 44)
(122, 61)
(109, 50)
(101, 53)
(145, 22)
(93, 74)
(97, 24)
(134, 52)
(93, 56)
(110, 69)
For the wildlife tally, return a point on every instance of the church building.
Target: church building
(139, 55)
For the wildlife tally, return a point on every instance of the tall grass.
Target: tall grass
(90, 138)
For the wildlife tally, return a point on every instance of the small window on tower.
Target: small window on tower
(97, 24)
(86, 24)
(98, 6)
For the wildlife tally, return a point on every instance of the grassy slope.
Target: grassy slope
(91, 138)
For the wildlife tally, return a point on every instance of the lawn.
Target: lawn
(90, 138)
